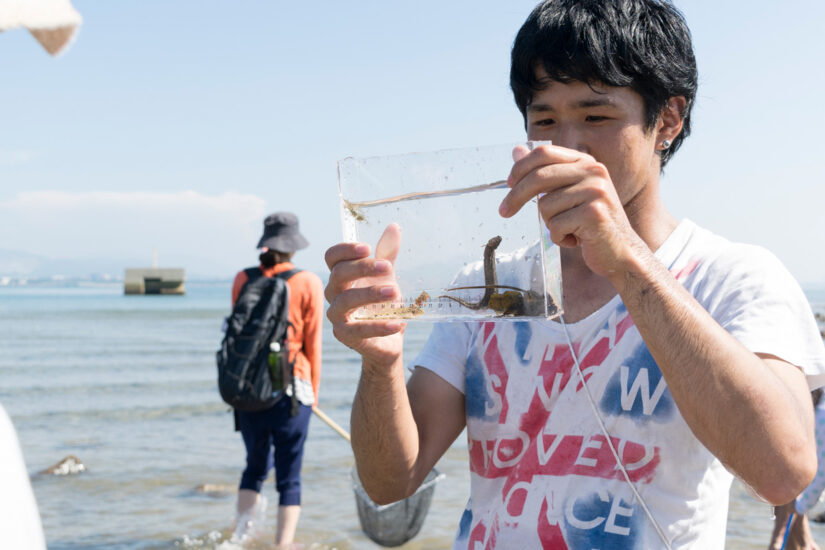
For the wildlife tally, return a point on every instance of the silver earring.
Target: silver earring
(665, 144)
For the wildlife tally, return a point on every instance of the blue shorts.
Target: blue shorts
(275, 429)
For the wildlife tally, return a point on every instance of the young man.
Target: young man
(694, 351)
(276, 436)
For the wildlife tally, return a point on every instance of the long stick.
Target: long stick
(331, 423)
(787, 531)
(428, 194)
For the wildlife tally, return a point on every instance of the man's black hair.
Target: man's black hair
(642, 44)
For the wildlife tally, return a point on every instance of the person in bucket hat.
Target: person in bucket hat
(274, 437)
(281, 233)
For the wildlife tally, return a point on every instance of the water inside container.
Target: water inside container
(458, 258)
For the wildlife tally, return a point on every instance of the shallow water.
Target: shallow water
(127, 384)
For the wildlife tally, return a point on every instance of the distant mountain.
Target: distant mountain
(17, 264)
(24, 265)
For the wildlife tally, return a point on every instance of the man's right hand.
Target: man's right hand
(357, 280)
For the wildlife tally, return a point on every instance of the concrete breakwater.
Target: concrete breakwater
(154, 280)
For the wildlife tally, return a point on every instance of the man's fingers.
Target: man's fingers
(563, 228)
(540, 156)
(546, 170)
(533, 170)
(345, 273)
(345, 252)
(352, 331)
(545, 179)
(520, 151)
(389, 244)
(349, 300)
(357, 331)
(589, 190)
(357, 280)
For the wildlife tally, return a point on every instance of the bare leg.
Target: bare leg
(799, 537)
(250, 514)
(779, 523)
(247, 499)
(287, 524)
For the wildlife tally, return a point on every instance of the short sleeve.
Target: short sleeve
(760, 303)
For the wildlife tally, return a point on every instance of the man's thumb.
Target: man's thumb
(389, 244)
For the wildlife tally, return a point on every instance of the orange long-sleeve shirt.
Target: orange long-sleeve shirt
(306, 310)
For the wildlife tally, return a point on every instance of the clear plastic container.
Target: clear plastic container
(458, 258)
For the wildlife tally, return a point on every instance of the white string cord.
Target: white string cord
(609, 442)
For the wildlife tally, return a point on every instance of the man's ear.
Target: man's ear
(670, 121)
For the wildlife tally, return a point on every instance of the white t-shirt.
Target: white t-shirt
(20, 526)
(542, 474)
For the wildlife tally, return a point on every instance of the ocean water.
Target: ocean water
(127, 384)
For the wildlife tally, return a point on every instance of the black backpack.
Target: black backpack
(259, 317)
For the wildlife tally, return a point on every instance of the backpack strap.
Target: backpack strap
(252, 273)
(286, 275)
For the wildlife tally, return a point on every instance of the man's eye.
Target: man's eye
(544, 122)
(595, 118)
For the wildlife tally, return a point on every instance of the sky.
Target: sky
(177, 126)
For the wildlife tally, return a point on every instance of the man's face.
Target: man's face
(603, 121)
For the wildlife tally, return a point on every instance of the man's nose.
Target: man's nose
(571, 140)
(569, 137)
